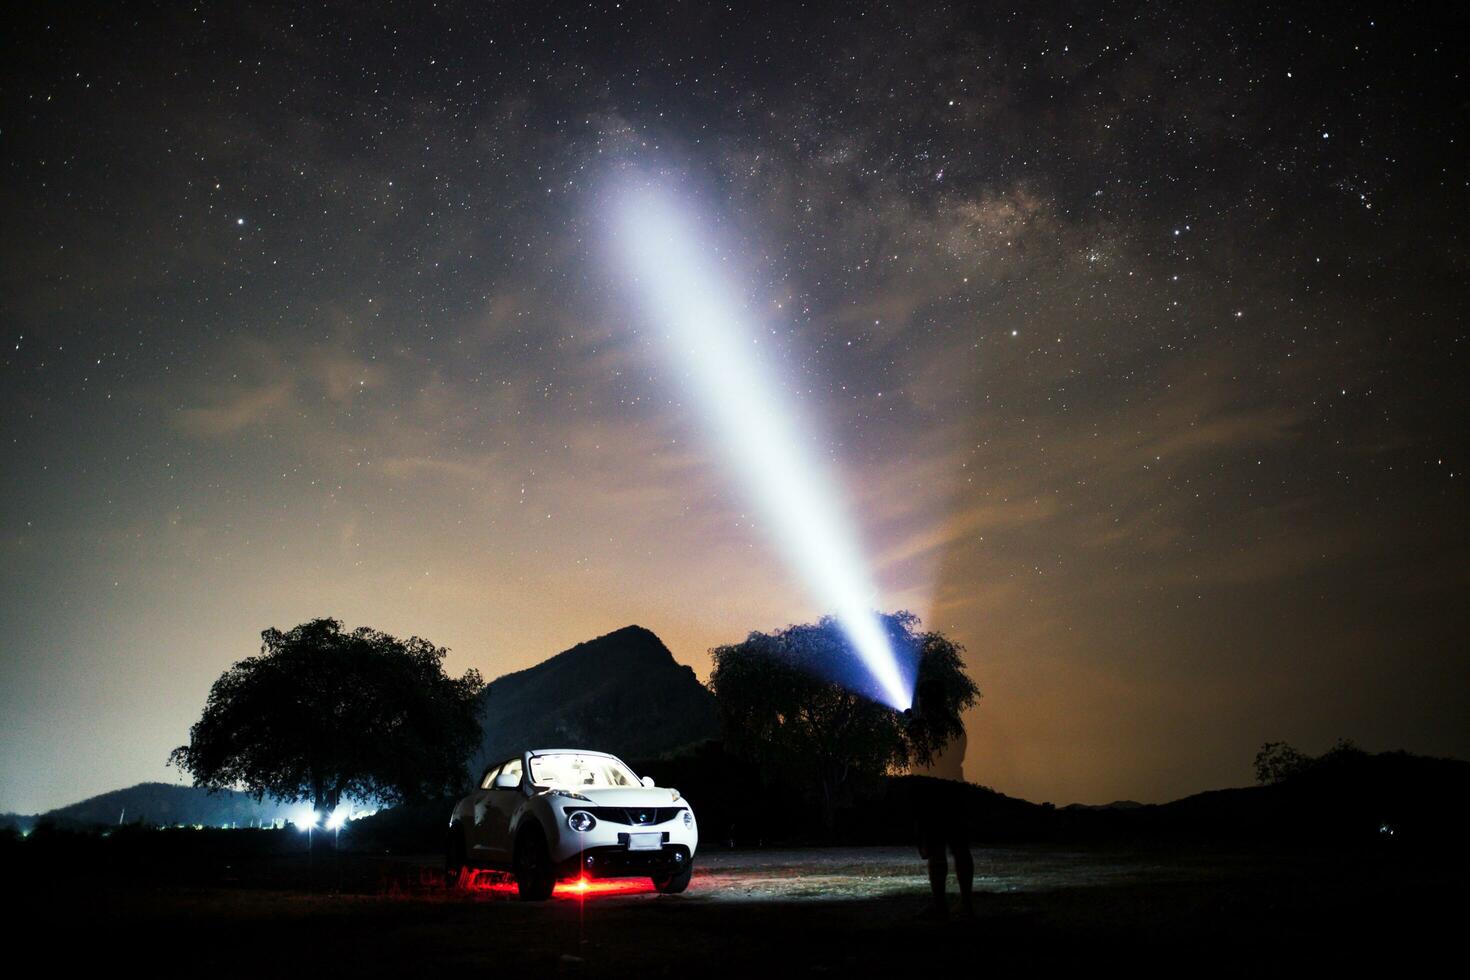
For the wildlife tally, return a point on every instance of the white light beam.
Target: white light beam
(709, 341)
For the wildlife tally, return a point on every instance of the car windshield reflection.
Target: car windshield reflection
(575, 772)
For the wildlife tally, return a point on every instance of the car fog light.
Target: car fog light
(581, 821)
(689, 819)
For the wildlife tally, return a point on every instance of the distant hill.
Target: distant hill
(1351, 794)
(1115, 805)
(164, 805)
(621, 693)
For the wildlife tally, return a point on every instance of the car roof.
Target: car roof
(539, 752)
(605, 755)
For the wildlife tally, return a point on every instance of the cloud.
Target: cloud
(291, 384)
(234, 408)
(967, 526)
(343, 376)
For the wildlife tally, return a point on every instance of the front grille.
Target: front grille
(632, 816)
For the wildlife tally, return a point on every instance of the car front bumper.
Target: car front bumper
(608, 846)
(616, 861)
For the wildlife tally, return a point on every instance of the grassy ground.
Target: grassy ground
(842, 911)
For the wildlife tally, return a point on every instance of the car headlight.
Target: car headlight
(581, 821)
(567, 794)
(689, 819)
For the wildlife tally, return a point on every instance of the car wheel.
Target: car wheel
(675, 883)
(454, 866)
(534, 877)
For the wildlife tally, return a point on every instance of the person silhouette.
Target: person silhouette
(939, 799)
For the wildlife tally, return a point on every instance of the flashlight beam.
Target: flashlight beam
(710, 342)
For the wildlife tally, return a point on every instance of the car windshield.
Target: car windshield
(567, 770)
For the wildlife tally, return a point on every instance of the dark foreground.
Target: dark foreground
(840, 911)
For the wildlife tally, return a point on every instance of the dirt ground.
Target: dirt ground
(850, 911)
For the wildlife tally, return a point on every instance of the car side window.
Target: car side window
(511, 770)
(489, 781)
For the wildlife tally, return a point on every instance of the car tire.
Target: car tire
(534, 876)
(454, 860)
(675, 883)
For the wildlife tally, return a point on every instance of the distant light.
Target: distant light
(337, 818)
(708, 337)
(305, 820)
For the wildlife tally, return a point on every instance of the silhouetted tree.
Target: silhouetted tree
(941, 673)
(783, 708)
(1278, 761)
(322, 714)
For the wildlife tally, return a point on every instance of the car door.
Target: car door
(479, 803)
(501, 801)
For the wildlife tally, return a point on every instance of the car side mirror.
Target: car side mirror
(507, 780)
(647, 781)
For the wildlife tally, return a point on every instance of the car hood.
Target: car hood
(631, 796)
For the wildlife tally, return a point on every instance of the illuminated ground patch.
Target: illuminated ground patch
(862, 873)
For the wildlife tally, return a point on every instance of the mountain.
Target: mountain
(621, 693)
(165, 805)
(18, 822)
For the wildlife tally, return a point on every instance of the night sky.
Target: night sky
(1136, 335)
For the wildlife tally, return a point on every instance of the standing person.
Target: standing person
(939, 798)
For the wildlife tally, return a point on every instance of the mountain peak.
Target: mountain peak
(630, 631)
(622, 692)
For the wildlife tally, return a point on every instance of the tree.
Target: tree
(941, 678)
(784, 706)
(1278, 762)
(321, 715)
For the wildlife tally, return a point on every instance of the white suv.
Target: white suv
(568, 813)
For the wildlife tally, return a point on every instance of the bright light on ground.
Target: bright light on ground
(713, 343)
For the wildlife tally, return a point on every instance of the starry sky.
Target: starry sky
(1134, 333)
